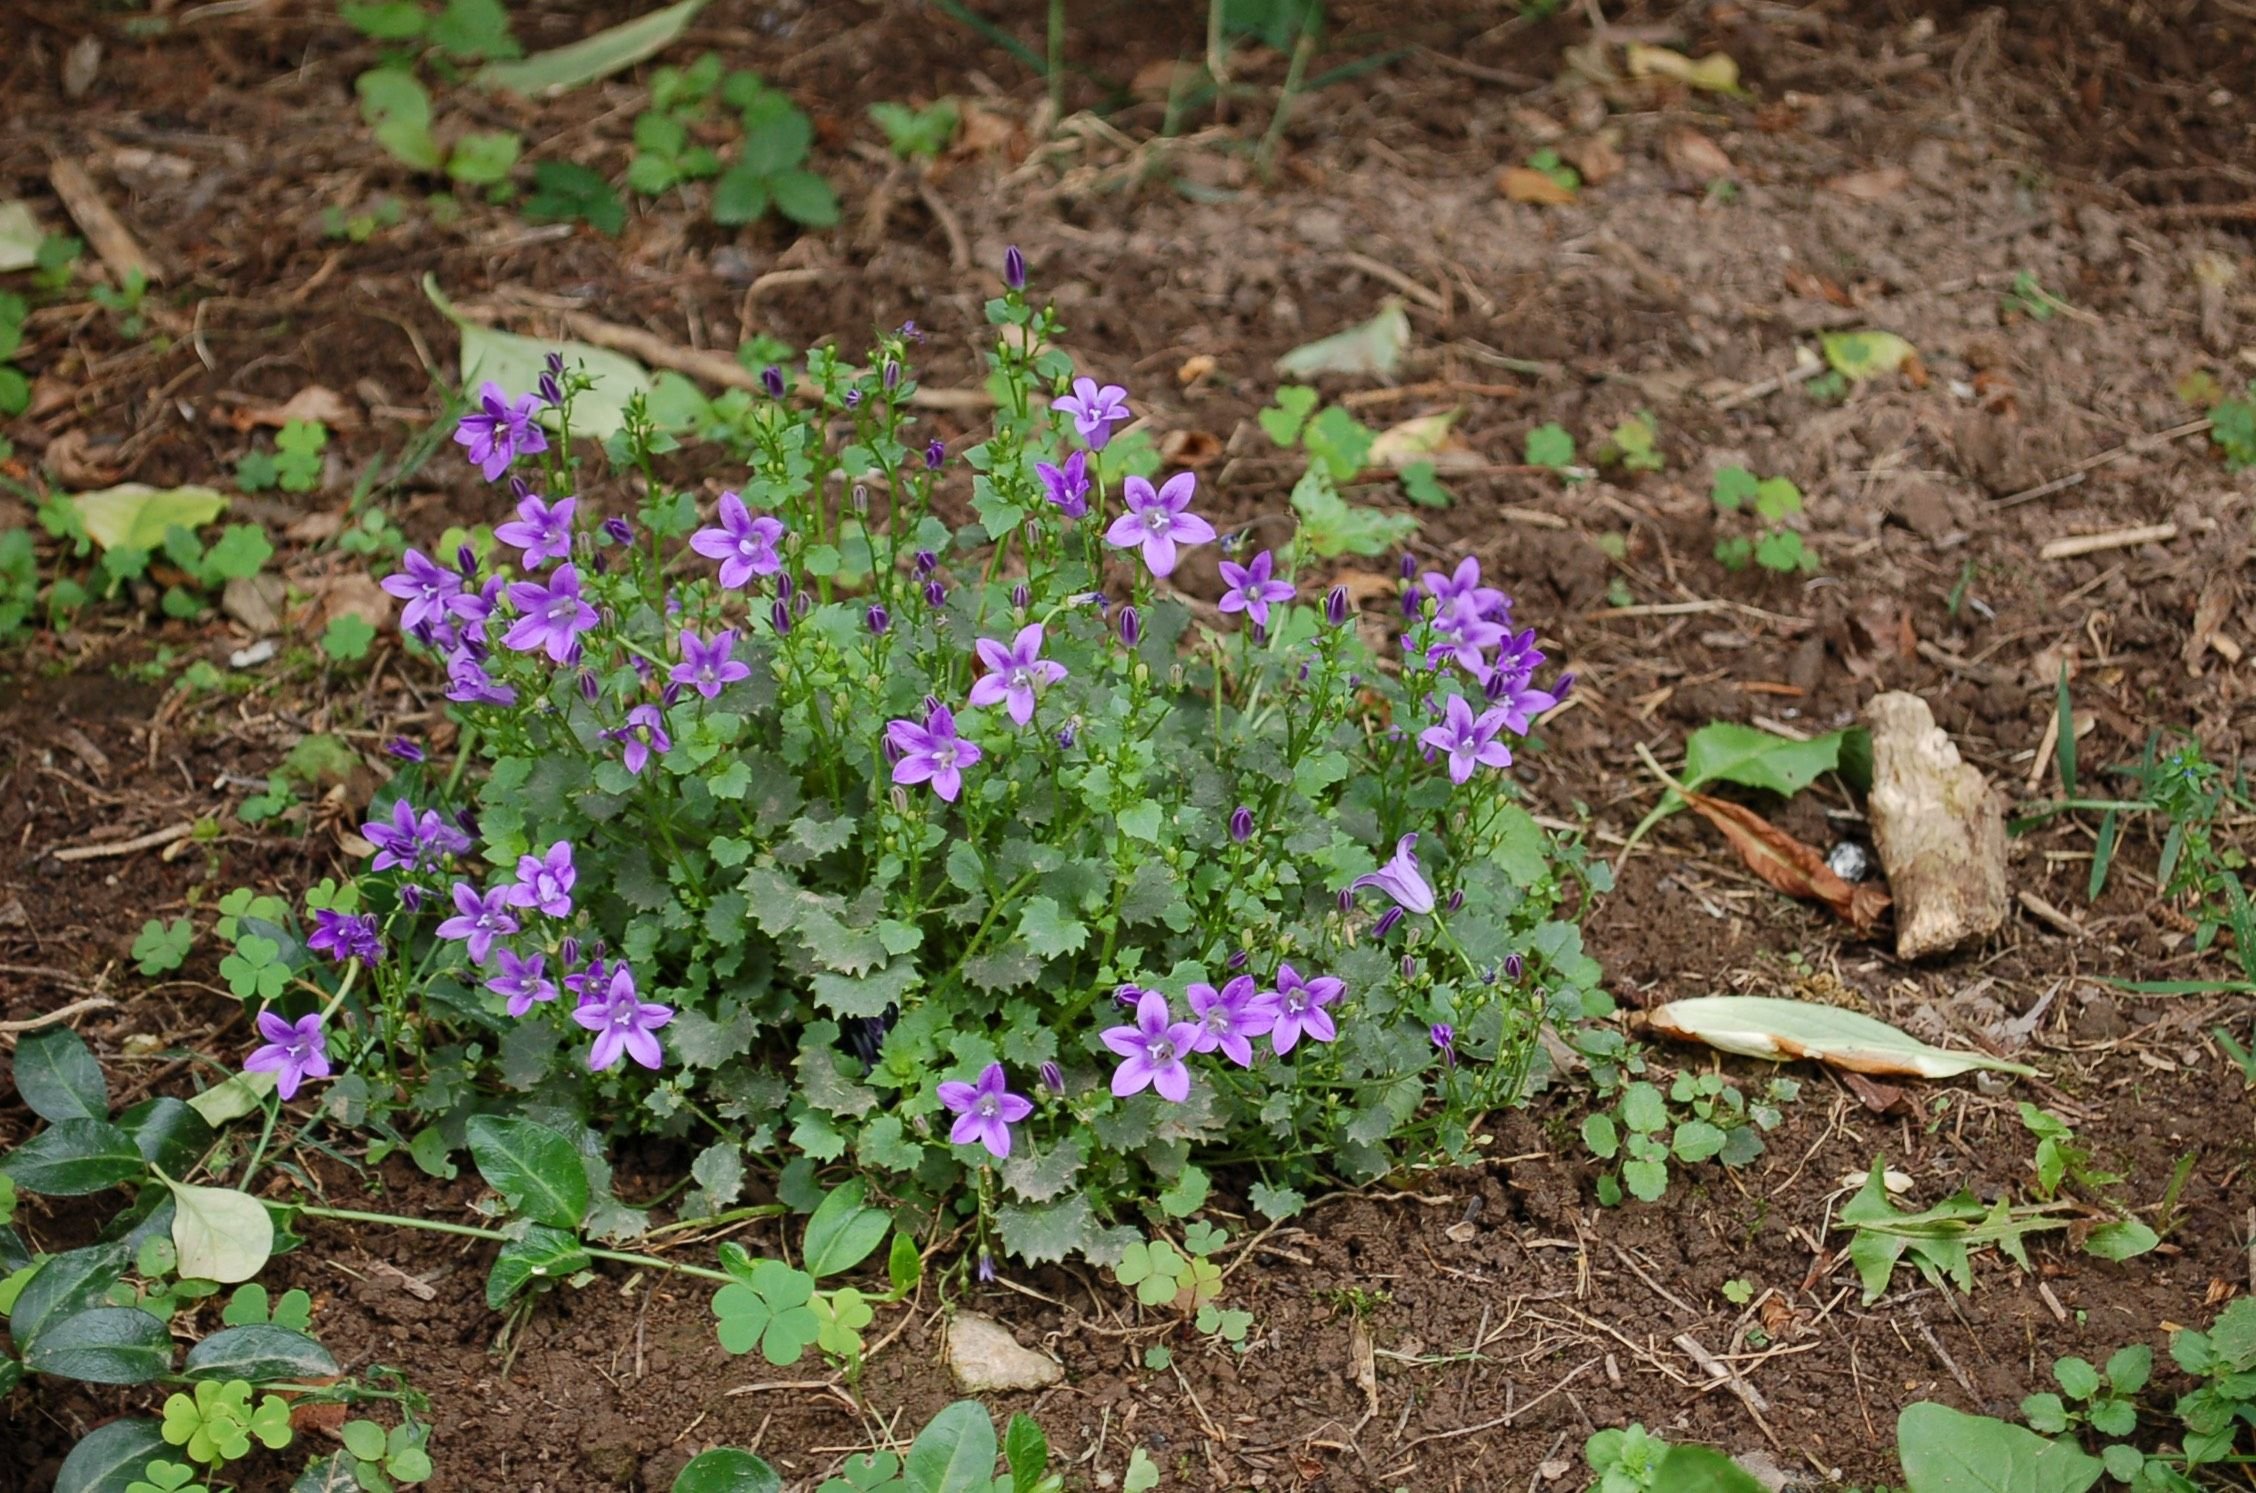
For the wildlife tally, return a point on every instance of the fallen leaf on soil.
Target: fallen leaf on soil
(1789, 865)
(73, 461)
(1858, 356)
(1716, 72)
(1428, 438)
(353, 594)
(516, 364)
(1817, 287)
(313, 402)
(1537, 125)
(1159, 79)
(1363, 585)
(134, 515)
(609, 51)
(1526, 184)
(1372, 349)
(1693, 154)
(2209, 614)
(20, 237)
(984, 130)
(1190, 448)
(1876, 185)
(255, 601)
(1761, 1026)
(1596, 158)
(1880, 1098)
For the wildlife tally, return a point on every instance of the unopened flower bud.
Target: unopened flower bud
(879, 619)
(892, 375)
(1390, 920)
(590, 689)
(1238, 960)
(803, 603)
(568, 952)
(779, 617)
(1335, 605)
(618, 529)
(572, 655)
(1347, 899)
(1411, 596)
(785, 585)
(1067, 736)
(411, 897)
(466, 560)
(1128, 995)
(986, 1267)
(1014, 268)
(933, 705)
(1409, 566)
(1497, 685)
(1445, 1039)
(1456, 901)
(670, 696)
(1131, 626)
(1564, 686)
(935, 454)
(1514, 967)
(900, 798)
(926, 562)
(771, 379)
(405, 750)
(1241, 824)
(1053, 1078)
(1409, 966)
(935, 594)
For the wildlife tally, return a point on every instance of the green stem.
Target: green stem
(472, 1231)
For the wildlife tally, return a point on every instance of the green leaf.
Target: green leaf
(63, 1285)
(1858, 356)
(1600, 1135)
(75, 1158)
(535, 1168)
(56, 1076)
(2045, 1412)
(385, 20)
(1372, 349)
(160, 949)
(516, 364)
(1647, 1181)
(2076, 1377)
(724, 1469)
(1340, 441)
(220, 1234)
(543, 1253)
(134, 516)
(1724, 752)
(109, 1457)
(2123, 1462)
(2120, 1239)
(398, 112)
(1642, 1108)
(1701, 1469)
(1048, 931)
(2129, 1368)
(1760, 1026)
(740, 196)
(954, 1454)
(347, 638)
(804, 198)
(1549, 445)
(1422, 486)
(842, 1232)
(609, 51)
(564, 190)
(1332, 527)
(103, 1345)
(1947, 1451)
(261, 1353)
(1696, 1140)
(233, 1097)
(484, 157)
(1026, 1451)
(1282, 421)
(1733, 489)
(168, 1133)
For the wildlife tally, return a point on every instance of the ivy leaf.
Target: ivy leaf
(543, 1253)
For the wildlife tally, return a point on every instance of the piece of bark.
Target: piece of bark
(103, 228)
(1938, 828)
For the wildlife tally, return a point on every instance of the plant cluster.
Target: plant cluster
(813, 824)
(1770, 500)
(1699, 1117)
(1337, 445)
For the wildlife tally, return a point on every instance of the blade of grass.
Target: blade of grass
(2103, 854)
(2184, 987)
(2065, 747)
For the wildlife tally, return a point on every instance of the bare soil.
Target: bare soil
(1894, 166)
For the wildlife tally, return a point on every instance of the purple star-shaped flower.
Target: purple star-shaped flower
(1015, 674)
(744, 543)
(1251, 589)
(1400, 879)
(411, 840)
(426, 586)
(1151, 1051)
(1520, 702)
(294, 1052)
(499, 430)
(521, 981)
(1464, 638)
(1067, 487)
(1229, 1017)
(544, 882)
(1156, 521)
(644, 733)
(542, 530)
(985, 1111)
(1300, 1008)
(1095, 410)
(550, 617)
(468, 683)
(1469, 740)
(344, 937)
(707, 667)
(623, 1023)
(932, 752)
(1463, 585)
(479, 920)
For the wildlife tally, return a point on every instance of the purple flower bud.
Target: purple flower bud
(1238, 960)
(1021, 598)
(986, 1267)
(1514, 967)
(467, 820)
(1390, 920)
(618, 529)
(1409, 966)
(1100, 601)
(1456, 901)
(1128, 995)
(1409, 566)
(1564, 686)
(1070, 734)
(1260, 635)
(892, 376)
(553, 364)
(1335, 605)
(601, 948)
(1411, 597)
(671, 695)
(599, 562)
(1053, 1078)
(853, 398)
(935, 454)
(568, 952)
(1497, 685)
(1347, 899)
(1445, 1039)
(405, 750)
(1241, 824)
(1131, 626)
(785, 585)
(551, 392)
(802, 603)
(926, 562)
(411, 897)
(519, 489)
(909, 331)
(590, 689)
(1014, 268)
(779, 617)
(933, 703)
(1303, 676)
(574, 654)
(771, 379)
(1488, 975)
(935, 594)
(892, 754)
(466, 560)
(880, 620)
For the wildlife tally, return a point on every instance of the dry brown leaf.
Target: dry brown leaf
(1876, 185)
(1880, 1098)
(1425, 438)
(1787, 864)
(985, 130)
(1160, 78)
(1690, 153)
(2209, 614)
(313, 402)
(1190, 448)
(1364, 585)
(1195, 367)
(75, 462)
(1716, 72)
(352, 594)
(1596, 158)
(1526, 184)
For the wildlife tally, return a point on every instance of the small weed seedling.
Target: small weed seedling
(1548, 162)
(2027, 298)
(1632, 445)
(1550, 446)
(1940, 1241)
(15, 385)
(2232, 419)
(1769, 500)
(2059, 1160)
(916, 134)
(1702, 1118)
(293, 466)
(1337, 444)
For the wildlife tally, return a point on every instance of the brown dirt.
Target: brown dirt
(2101, 148)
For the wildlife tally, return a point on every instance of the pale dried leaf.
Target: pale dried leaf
(1759, 1026)
(1789, 865)
(1716, 72)
(1692, 154)
(1526, 184)
(1876, 185)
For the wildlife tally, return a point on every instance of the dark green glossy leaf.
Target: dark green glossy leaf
(73, 1158)
(543, 1254)
(109, 1457)
(537, 1169)
(843, 1232)
(954, 1454)
(1701, 1469)
(57, 1076)
(724, 1469)
(262, 1353)
(67, 1284)
(105, 1345)
(168, 1133)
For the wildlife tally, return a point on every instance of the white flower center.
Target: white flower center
(560, 610)
(1022, 678)
(989, 1107)
(1157, 522)
(1160, 1051)
(1296, 1001)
